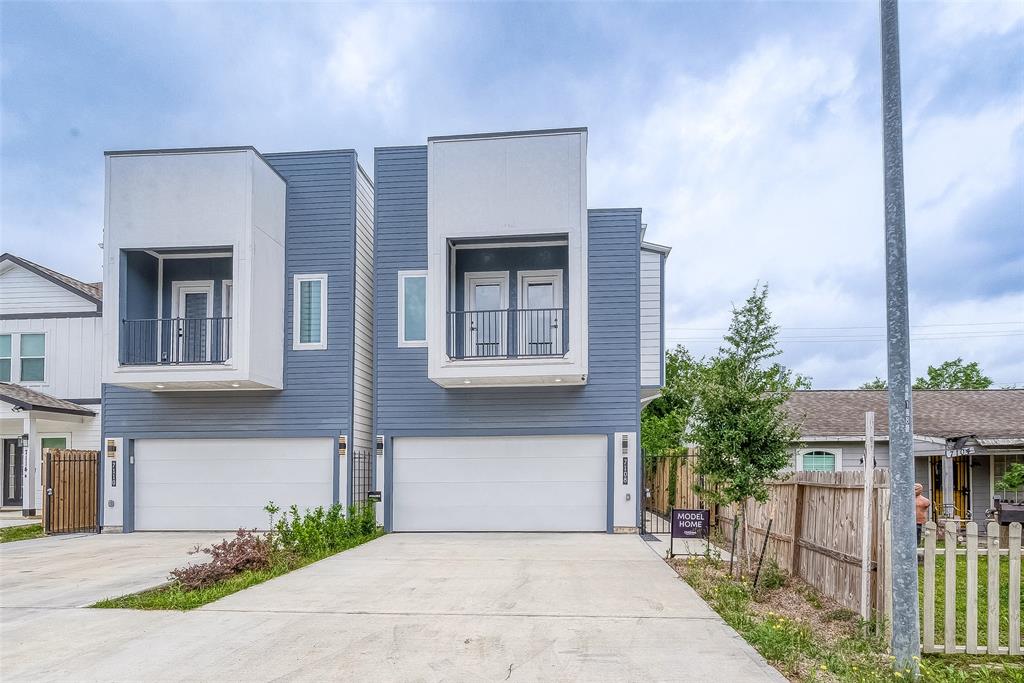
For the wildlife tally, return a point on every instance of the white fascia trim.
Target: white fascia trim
(651, 246)
(403, 275)
(296, 280)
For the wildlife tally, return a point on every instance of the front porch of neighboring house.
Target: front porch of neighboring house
(975, 481)
(29, 422)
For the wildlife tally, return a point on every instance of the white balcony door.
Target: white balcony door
(486, 314)
(193, 308)
(540, 316)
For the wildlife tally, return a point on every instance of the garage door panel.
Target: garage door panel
(501, 518)
(525, 469)
(547, 483)
(224, 484)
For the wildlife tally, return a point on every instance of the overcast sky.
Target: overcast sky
(749, 133)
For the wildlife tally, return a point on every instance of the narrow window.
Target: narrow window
(412, 308)
(5, 358)
(33, 354)
(309, 299)
(819, 461)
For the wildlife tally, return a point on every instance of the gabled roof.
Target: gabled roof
(943, 414)
(90, 292)
(28, 399)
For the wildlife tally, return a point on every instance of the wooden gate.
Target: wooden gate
(69, 491)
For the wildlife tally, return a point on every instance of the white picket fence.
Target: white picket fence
(972, 550)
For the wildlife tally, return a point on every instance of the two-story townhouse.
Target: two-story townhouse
(237, 329)
(517, 333)
(50, 337)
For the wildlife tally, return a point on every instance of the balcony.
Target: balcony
(508, 333)
(175, 341)
(194, 266)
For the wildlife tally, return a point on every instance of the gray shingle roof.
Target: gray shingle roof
(990, 413)
(29, 399)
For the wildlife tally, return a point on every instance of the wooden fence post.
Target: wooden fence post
(972, 588)
(949, 642)
(993, 588)
(929, 587)
(887, 545)
(798, 527)
(1015, 562)
(865, 522)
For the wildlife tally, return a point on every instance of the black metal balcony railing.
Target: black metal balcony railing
(175, 341)
(508, 333)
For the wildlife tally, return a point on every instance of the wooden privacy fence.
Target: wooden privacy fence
(69, 491)
(817, 533)
(660, 479)
(961, 608)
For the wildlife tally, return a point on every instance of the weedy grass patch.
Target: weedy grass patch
(809, 638)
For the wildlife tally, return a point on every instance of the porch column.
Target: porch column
(30, 467)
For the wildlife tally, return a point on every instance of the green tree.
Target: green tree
(663, 421)
(876, 383)
(738, 419)
(954, 374)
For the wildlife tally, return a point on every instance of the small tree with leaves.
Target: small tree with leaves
(876, 384)
(954, 374)
(739, 422)
(663, 421)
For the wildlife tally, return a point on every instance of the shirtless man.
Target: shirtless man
(921, 505)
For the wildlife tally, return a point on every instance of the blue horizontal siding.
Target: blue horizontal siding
(407, 402)
(317, 395)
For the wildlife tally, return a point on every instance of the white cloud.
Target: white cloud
(960, 22)
(372, 52)
(771, 171)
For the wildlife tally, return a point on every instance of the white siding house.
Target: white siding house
(50, 338)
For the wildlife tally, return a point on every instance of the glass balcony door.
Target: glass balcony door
(540, 314)
(487, 314)
(193, 312)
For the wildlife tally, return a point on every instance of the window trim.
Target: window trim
(297, 279)
(46, 366)
(837, 453)
(10, 358)
(403, 343)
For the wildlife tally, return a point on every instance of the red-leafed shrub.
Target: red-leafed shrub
(247, 550)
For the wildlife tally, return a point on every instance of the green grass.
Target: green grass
(961, 598)
(173, 597)
(803, 652)
(21, 533)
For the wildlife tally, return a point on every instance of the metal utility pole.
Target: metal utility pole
(906, 639)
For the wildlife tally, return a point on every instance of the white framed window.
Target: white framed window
(412, 308)
(5, 357)
(309, 312)
(32, 358)
(819, 460)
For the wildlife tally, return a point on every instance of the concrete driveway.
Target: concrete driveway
(75, 570)
(515, 607)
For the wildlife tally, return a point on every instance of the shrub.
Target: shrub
(319, 532)
(247, 550)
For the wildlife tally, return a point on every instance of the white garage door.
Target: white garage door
(223, 484)
(529, 483)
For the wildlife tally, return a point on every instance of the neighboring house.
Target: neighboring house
(832, 438)
(50, 338)
(237, 335)
(517, 332)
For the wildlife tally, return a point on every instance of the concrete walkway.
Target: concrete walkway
(9, 518)
(516, 607)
